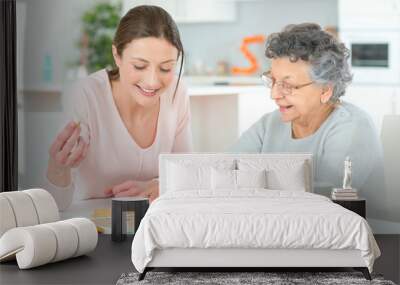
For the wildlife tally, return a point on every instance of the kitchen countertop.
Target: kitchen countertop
(223, 85)
(222, 80)
(207, 90)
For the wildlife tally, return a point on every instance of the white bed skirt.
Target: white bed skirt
(234, 257)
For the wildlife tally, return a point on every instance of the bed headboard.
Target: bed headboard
(211, 159)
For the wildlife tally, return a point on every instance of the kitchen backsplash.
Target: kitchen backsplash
(209, 44)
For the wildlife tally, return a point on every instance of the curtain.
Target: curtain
(8, 98)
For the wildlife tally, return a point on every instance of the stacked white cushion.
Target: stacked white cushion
(31, 233)
(41, 244)
(23, 209)
(32, 246)
(66, 237)
(45, 205)
(7, 218)
(87, 234)
(27, 208)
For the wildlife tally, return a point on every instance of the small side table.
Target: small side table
(121, 205)
(358, 206)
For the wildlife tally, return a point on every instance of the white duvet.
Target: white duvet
(252, 218)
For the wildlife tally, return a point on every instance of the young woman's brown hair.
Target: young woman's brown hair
(142, 22)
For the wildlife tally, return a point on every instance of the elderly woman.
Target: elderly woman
(308, 76)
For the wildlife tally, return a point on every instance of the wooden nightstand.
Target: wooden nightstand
(358, 206)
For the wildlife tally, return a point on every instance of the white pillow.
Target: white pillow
(223, 179)
(287, 179)
(188, 177)
(236, 179)
(251, 178)
(281, 174)
(293, 179)
(190, 173)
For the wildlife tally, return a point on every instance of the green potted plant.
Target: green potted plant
(99, 25)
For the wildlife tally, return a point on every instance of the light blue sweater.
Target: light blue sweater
(348, 131)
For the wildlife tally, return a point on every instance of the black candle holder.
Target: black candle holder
(120, 206)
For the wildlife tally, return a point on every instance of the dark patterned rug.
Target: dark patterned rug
(270, 278)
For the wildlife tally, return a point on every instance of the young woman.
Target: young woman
(126, 117)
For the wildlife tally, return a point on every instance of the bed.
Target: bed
(246, 211)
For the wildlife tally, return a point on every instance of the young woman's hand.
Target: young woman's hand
(67, 151)
(148, 189)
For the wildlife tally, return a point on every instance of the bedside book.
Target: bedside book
(344, 194)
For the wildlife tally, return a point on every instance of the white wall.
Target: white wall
(52, 27)
(210, 42)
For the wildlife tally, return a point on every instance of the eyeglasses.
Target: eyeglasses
(284, 88)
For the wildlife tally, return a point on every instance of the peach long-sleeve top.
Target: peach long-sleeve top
(113, 155)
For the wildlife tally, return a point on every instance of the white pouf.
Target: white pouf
(45, 205)
(31, 233)
(40, 244)
(6, 216)
(23, 208)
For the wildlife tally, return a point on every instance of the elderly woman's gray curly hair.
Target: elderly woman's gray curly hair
(326, 55)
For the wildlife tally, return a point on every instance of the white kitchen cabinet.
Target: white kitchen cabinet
(220, 114)
(252, 106)
(373, 14)
(191, 11)
(214, 122)
(377, 101)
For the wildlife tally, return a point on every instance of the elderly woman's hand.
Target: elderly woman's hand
(129, 188)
